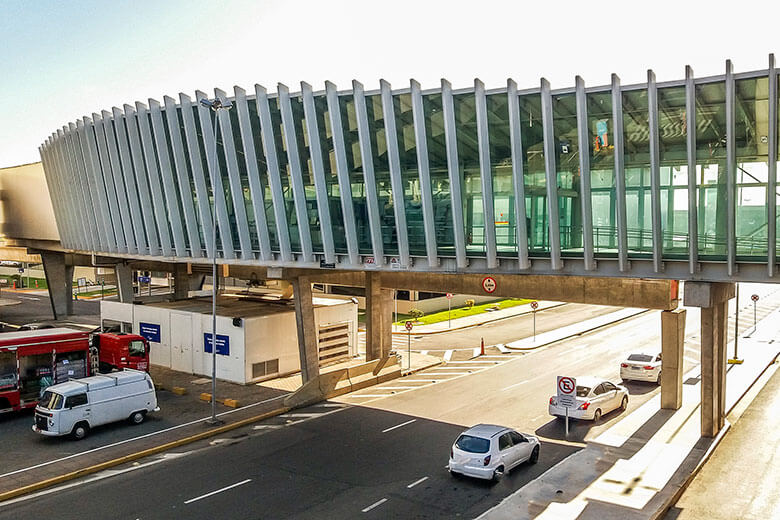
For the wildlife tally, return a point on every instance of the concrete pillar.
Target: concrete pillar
(59, 279)
(124, 282)
(672, 348)
(713, 299)
(184, 281)
(379, 316)
(306, 324)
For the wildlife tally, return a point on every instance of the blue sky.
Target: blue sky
(63, 60)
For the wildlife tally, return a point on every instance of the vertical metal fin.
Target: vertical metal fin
(551, 177)
(620, 175)
(453, 168)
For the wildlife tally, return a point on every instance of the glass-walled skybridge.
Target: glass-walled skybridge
(657, 180)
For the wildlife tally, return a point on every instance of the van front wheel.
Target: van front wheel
(80, 431)
(137, 417)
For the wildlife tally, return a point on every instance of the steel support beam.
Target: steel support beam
(551, 177)
(518, 182)
(620, 174)
(453, 169)
(690, 124)
(655, 172)
(731, 171)
(423, 169)
(486, 175)
(771, 205)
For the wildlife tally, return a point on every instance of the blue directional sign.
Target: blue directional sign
(150, 331)
(144, 279)
(223, 344)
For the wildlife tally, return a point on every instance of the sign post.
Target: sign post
(409, 325)
(449, 309)
(755, 300)
(735, 360)
(534, 306)
(567, 388)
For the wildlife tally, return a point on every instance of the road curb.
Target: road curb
(675, 497)
(473, 325)
(30, 488)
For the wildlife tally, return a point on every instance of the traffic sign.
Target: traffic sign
(534, 305)
(754, 297)
(409, 325)
(449, 295)
(567, 388)
(489, 284)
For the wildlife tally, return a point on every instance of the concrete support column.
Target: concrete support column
(672, 348)
(306, 325)
(713, 299)
(59, 279)
(124, 282)
(378, 317)
(184, 281)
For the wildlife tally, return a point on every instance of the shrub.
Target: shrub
(470, 303)
(416, 313)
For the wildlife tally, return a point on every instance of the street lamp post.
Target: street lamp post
(216, 105)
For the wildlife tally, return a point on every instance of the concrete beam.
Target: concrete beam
(184, 281)
(59, 279)
(306, 326)
(707, 294)
(672, 348)
(713, 368)
(379, 308)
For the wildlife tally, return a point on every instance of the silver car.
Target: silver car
(595, 397)
(488, 452)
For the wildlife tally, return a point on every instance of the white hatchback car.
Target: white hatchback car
(643, 366)
(487, 451)
(595, 397)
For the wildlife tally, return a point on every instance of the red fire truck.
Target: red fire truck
(32, 360)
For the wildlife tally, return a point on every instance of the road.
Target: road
(380, 452)
(35, 307)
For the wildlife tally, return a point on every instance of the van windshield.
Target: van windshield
(51, 400)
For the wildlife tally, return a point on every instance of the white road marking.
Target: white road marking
(356, 396)
(692, 360)
(375, 504)
(473, 361)
(397, 387)
(449, 373)
(429, 380)
(424, 352)
(514, 385)
(267, 426)
(152, 434)
(398, 426)
(99, 476)
(410, 486)
(448, 368)
(328, 405)
(448, 355)
(299, 415)
(190, 501)
(538, 417)
(477, 351)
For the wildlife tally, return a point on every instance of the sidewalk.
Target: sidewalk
(636, 469)
(476, 319)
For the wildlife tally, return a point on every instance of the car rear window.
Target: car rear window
(472, 444)
(643, 358)
(583, 391)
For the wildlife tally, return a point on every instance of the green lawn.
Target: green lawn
(21, 279)
(106, 292)
(462, 312)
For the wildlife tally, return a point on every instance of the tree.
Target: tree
(416, 314)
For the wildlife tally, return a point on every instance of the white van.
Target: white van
(77, 405)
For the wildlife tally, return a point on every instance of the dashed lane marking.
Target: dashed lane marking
(190, 501)
(514, 385)
(375, 504)
(398, 426)
(410, 486)
(448, 355)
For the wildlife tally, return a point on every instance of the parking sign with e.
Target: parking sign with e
(567, 387)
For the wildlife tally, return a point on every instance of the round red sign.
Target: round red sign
(449, 295)
(534, 305)
(489, 284)
(409, 325)
(754, 297)
(566, 385)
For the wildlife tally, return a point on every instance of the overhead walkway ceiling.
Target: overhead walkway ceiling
(671, 180)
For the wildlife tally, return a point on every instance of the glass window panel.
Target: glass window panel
(307, 173)
(407, 151)
(465, 121)
(243, 178)
(532, 137)
(602, 163)
(355, 169)
(711, 169)
(331, 176)
(636, 153)
(501, 167)
(190, 177)
(568, 172)
(751, 137)
(262, 167)
(376, 130)
(284, 169)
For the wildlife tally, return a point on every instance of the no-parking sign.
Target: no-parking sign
(489, 284)
(567, 388)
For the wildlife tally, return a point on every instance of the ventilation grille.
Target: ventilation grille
(265, 368)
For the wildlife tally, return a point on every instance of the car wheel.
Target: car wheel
(658, 380)
(597, 415)
(624, 403)
(534, 455)
(80, 431)
(137, 417)
(498, 473)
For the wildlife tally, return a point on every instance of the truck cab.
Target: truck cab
(119, 350)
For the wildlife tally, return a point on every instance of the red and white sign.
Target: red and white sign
(409, 325)
(534, 305)
(754, 297)
(449, 295)
(567, 388)
(489, 284)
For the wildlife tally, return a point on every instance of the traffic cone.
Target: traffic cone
(14, 284)
(482, 347)
(36, 284)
